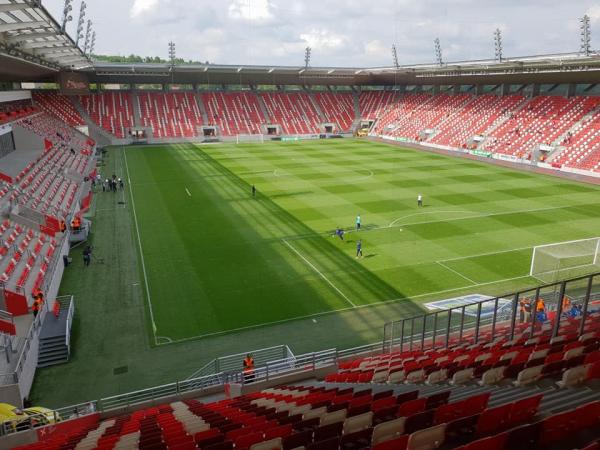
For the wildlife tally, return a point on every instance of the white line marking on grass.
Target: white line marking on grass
(363, 178)
(486, 254)
(137, 232)
(188, 192)
(165, 338)
(454, 219)
(334, 311)
(318, 272)
(392, 223)
(456, 272)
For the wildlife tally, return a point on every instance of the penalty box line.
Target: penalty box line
(312, 266)
(333, 311)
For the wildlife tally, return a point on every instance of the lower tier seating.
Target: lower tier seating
(324, 416)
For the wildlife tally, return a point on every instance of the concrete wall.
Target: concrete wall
(18, 439)
(25, 139)
(11, 394)
(11, 96)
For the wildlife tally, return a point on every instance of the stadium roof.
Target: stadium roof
(32, 43)
(562, 68)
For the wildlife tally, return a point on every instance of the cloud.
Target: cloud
(322, 39)
(594, 13)
(341, 32)
(142, 6)
(251, 10)
(377, 49)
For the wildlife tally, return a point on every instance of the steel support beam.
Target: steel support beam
(21, 26)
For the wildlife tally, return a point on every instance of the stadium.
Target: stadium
(197, 255)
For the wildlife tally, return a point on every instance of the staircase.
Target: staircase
(55, 335)
(97, 133)
(137, 113)
(202, 108)
(263, 109)
(572, 130)
(315, 104)
(357, 118)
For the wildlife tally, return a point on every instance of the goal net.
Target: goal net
(239, 138)
(554, 262)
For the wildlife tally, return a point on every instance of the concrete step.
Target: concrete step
(50, 346)
(54, 352)
(51, 362)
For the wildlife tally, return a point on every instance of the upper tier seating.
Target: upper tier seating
(401, 113)
(113, 111)
(234, 112)
(337, 108)
(428, 115)
(375, 104)
(14, 114)
(25, 256)
(45, 185)
(542, 121)
(582, 144)
(294, 111)
(475, 118)
(173, 114)
(58, 105)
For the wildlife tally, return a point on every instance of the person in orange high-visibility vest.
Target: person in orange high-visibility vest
(35, 308)
(76, 223)
(63, 226)
(248, 368)
(540, 306)
(56, 309)
(566, 305)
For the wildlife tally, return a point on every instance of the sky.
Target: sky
(344, 33)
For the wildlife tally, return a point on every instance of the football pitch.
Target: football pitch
(215, 260)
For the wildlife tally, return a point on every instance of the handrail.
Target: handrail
(274, 369)
(395, 332)
(70, 313)
(5, 315)
(34, 329)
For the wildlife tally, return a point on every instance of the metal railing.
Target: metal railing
(506, 314)
(232, 363)
(32, 334)
(6, 316)
(67, 301)
(581, 290)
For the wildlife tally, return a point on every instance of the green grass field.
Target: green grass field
(218, 260)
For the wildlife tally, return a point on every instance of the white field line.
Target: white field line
(188, 192)
(486, 254)
(456, 272)
(477, 216)
(318, 272)
(366, 177)
(392, 223)
(137, 231)
(334, 311)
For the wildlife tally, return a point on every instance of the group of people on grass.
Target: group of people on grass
(112, 184)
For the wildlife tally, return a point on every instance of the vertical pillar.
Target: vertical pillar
(571, 89)
(479, 89)
(505, 89)
(535, 90)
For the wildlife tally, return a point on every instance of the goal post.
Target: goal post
(241, 138)
(553, 262)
